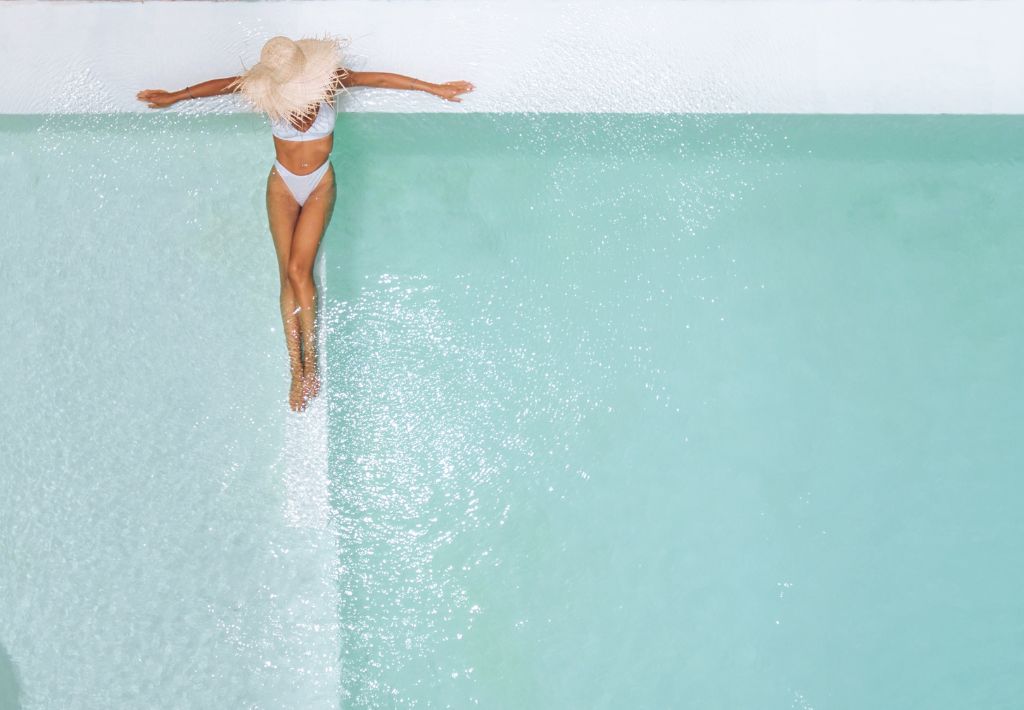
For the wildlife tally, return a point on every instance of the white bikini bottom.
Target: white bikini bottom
(301, 185)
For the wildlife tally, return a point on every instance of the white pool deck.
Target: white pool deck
(732, 56)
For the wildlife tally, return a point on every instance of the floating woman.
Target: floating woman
(295, 83)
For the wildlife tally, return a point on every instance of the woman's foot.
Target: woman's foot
(312, 382)
(297, 394)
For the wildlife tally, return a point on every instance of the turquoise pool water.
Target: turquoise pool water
(646, 411)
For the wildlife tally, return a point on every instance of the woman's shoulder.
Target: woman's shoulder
(343, 75)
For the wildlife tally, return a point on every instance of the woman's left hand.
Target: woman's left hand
(451, 89)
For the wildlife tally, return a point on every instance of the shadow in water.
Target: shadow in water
(10, 694)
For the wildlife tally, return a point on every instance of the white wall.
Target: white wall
(827, 56)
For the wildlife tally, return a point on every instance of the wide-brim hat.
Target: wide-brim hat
(293, 76)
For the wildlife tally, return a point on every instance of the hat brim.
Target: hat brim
(300, 95)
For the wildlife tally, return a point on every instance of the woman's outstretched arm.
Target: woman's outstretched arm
(158, 98)
(388, 80)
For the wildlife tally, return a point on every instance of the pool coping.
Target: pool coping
(680, 56)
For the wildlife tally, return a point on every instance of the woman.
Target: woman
(295, 83)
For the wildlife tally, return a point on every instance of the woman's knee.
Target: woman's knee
(299, 274)
(287, 290)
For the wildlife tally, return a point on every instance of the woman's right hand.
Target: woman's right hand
(157, 98)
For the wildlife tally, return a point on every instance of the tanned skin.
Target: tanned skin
(298, 230)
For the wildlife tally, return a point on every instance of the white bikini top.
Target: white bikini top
(322, 126)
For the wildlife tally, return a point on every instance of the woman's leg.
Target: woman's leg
(282, 214)
(313, 219)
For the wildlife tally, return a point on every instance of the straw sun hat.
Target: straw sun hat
(293, 76)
